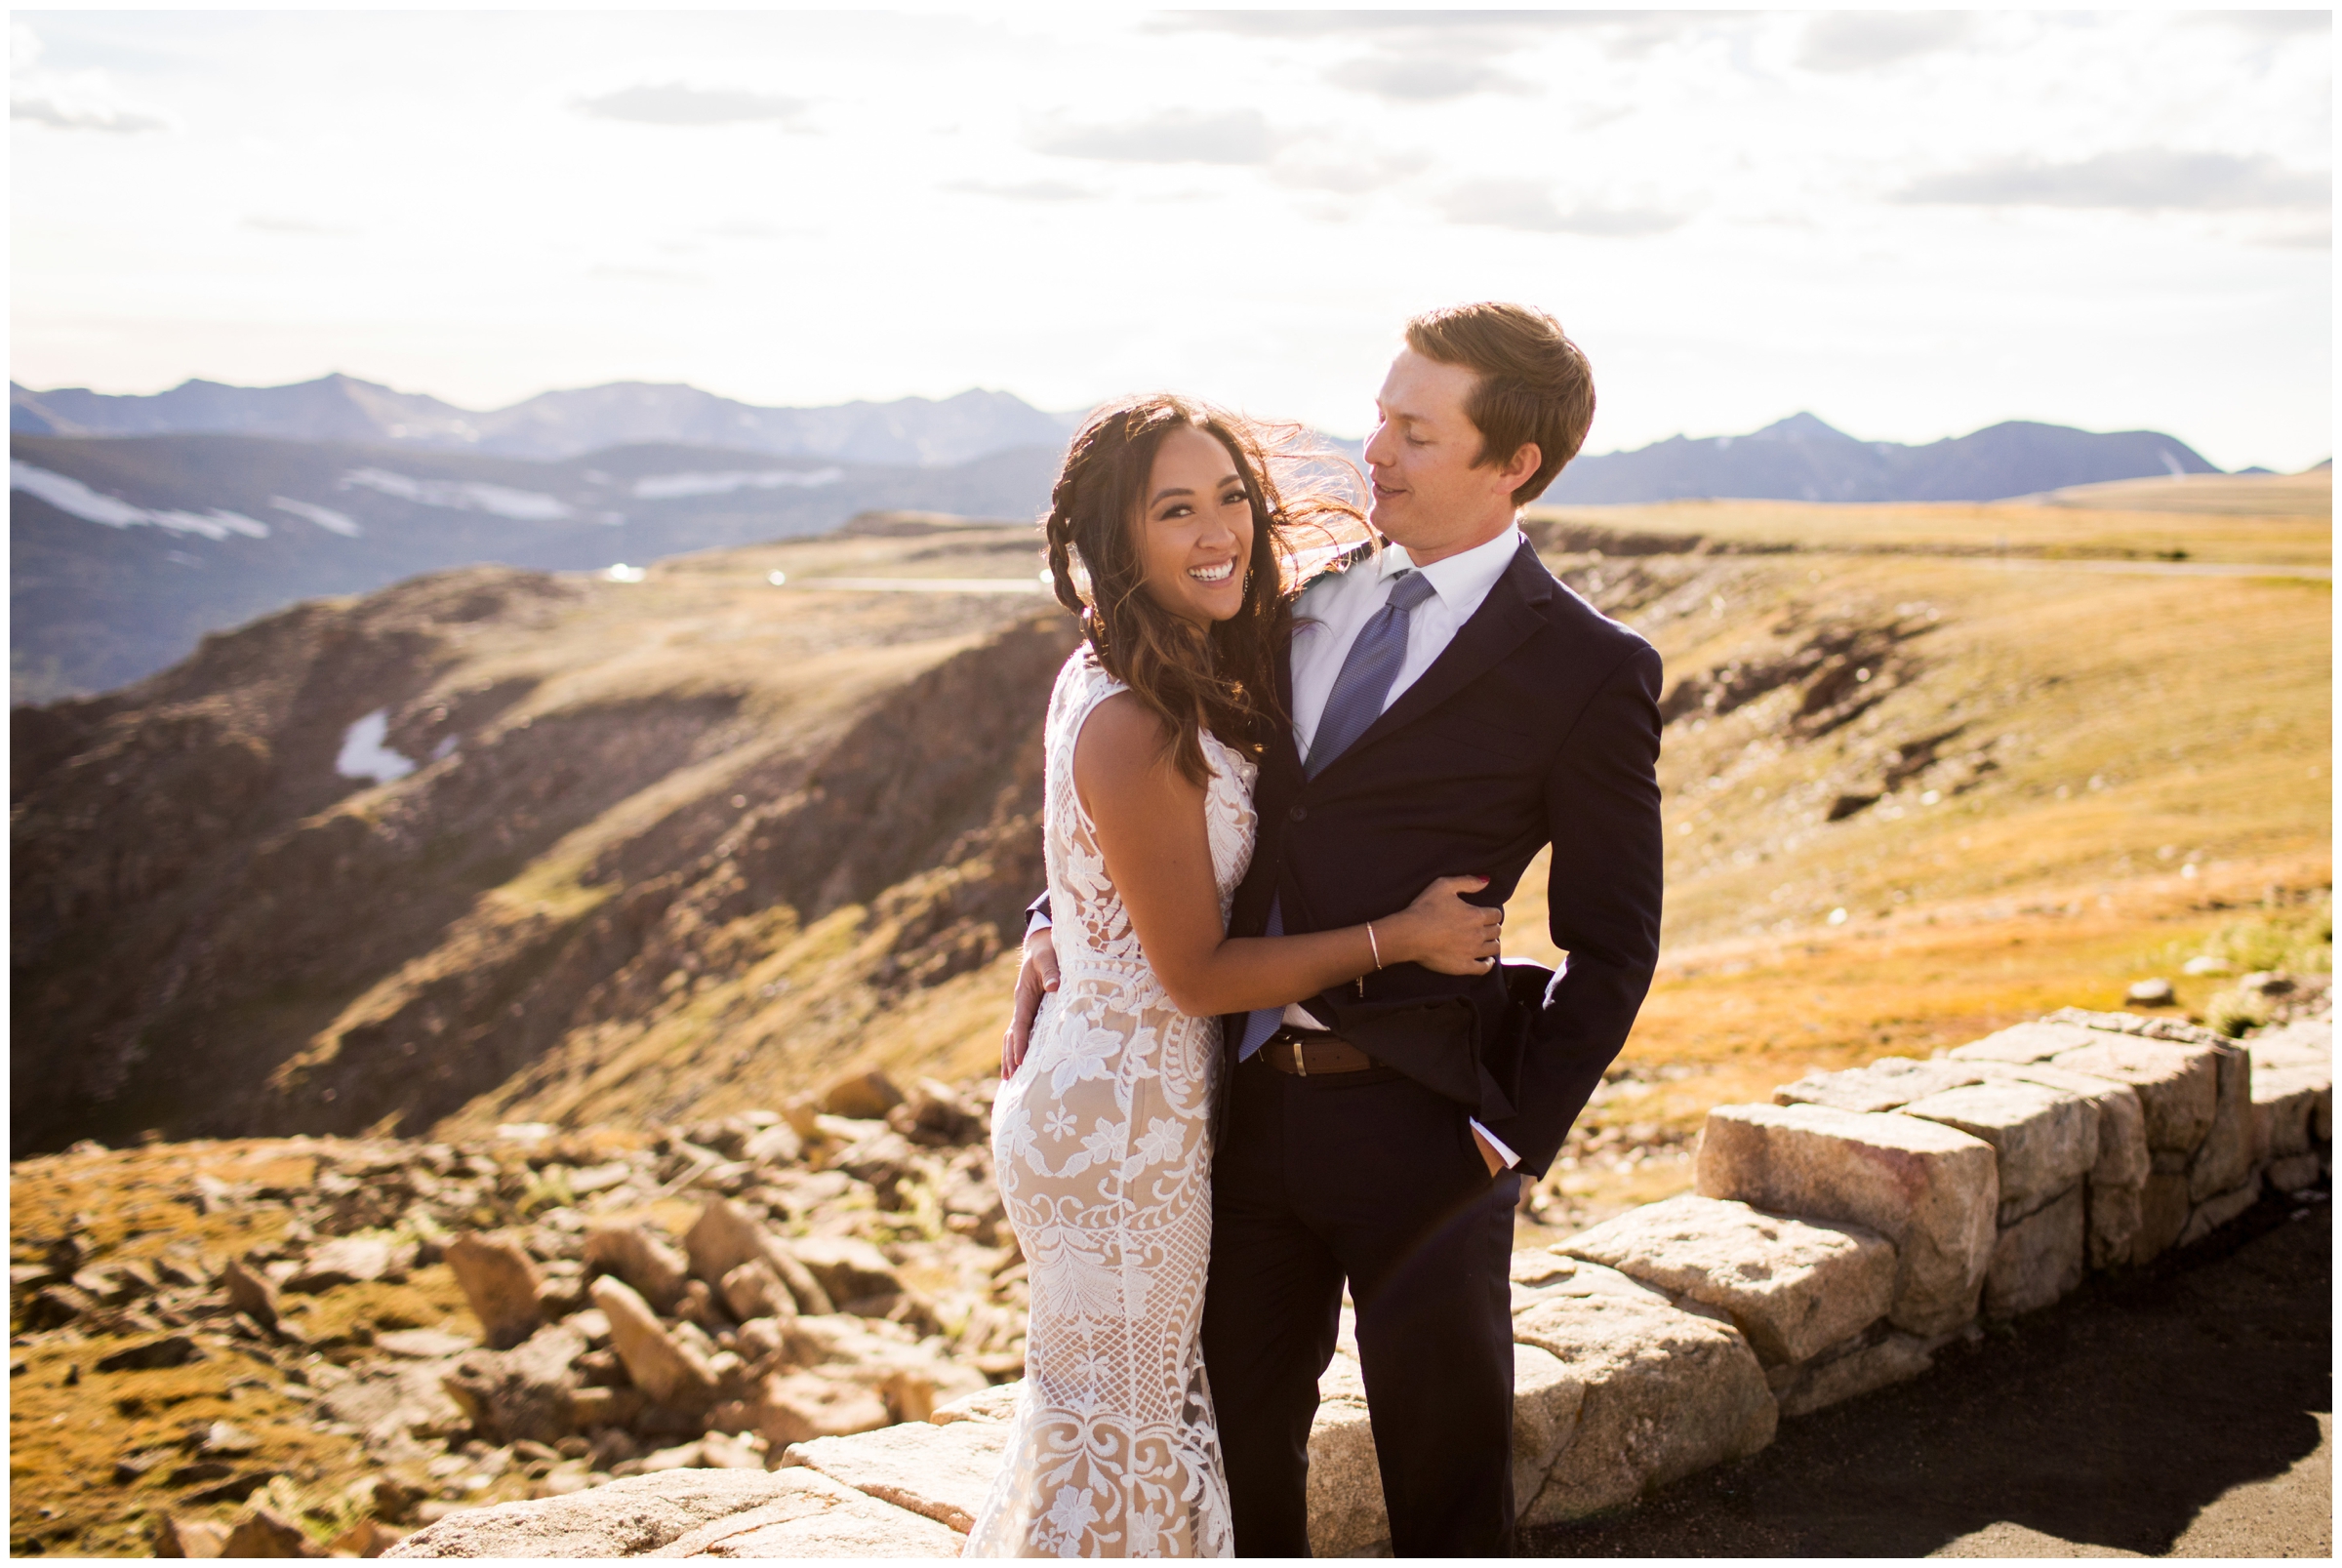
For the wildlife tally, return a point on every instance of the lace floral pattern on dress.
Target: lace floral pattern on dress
(1103, 1146)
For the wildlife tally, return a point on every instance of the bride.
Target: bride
(1169, 534)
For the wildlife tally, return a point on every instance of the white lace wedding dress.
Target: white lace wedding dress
(1103, 1146)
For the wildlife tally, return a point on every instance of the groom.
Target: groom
(1455, 710)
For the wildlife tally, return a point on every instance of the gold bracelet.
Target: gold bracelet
(1374, 944)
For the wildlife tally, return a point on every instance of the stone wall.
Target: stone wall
(1837, 1239)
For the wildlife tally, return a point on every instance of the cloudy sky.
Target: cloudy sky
(1911, 223)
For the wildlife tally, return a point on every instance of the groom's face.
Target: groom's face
(1430, 493)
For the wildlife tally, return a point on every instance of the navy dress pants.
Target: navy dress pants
(1372, 1178)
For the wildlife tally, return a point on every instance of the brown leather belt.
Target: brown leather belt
(1307, 1055)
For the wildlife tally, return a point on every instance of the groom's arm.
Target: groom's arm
(1604, 896)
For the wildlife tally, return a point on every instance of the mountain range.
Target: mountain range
(140, 524)
(550, 426)
(1802, 459)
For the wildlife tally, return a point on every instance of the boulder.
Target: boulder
(632, 1517)
(1666, 1394)
(1793, 1287)
(822, 1519)
(262, 1532)
(2118, 1179)
(2217, 1209)
(672, 1372)
(864, 1096)
(2178, 1084)
(1870, 1362)
(1537, 1275)
(1346, 1517)
(993, 1402)
(2294, 1173)
(847, 1269)
(725, 1235)
(655, 1270)
(1930, 1189)
(2306, 1042)
(351, 1261)
(2164, 1209)
(937, 1114)
(521, 1395)
(500, 1284)
(2225, 1157)
(2037, 1258)
(944, 1472)
(754, 1291)
(1886, 1084)
(2293, 1069)
(147, 1356)
(2027, 1042)
(798, 1407)
(2047, 1139)
(249, 1292)
(388, 1402)
(189, 1537)
(1547, 1397)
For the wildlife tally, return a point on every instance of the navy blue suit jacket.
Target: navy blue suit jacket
(1538, 724)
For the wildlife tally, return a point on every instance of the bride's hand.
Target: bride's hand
(1441, 932)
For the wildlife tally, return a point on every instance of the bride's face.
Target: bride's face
(1194, 534)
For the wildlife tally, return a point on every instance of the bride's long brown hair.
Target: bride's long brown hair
(1225, 679)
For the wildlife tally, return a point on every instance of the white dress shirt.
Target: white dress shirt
(1335, 609)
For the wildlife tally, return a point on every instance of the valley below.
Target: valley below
(646, 862)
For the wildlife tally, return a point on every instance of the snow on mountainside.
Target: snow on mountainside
(1802, 459)
(124, 552)
(912, 431)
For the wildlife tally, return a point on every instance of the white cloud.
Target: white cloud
(71, 101)
(1530, 207)
(1416, 78)
(675, 104)
(283, 223)
(1175, 136)
(2141, 180)
(1864, 40)
(1022, 189)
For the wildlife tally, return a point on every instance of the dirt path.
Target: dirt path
(2184, 1413)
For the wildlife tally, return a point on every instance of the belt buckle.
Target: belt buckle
(1301, 1060)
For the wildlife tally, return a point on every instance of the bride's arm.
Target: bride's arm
(1150, 829)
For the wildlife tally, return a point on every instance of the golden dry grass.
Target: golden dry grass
(2134, 768)
(2274, 520)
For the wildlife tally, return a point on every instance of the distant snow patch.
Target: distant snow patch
(325, 517)
(68, 495)
(365, 757)
(461, 495)
(676, 486)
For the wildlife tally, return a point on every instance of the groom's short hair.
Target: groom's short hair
(1534, 384)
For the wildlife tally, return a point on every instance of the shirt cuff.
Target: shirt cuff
(1039, 922)
(1512, 1160)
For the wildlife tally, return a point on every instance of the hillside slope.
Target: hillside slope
(701, 842)
(625, 791)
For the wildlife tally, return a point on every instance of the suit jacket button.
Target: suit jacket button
(1297, 813)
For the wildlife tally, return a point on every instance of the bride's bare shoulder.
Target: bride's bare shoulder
(1123, 746)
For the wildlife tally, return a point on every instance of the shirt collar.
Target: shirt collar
(1463, 578)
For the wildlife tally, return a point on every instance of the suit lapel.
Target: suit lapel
(1514, 611)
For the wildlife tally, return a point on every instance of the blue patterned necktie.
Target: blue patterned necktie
(1357, 701)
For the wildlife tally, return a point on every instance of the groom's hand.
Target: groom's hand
(1488, 1155)
(1036, 977)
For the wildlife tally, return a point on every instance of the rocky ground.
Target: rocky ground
(289, 1346)
(325, 1342)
